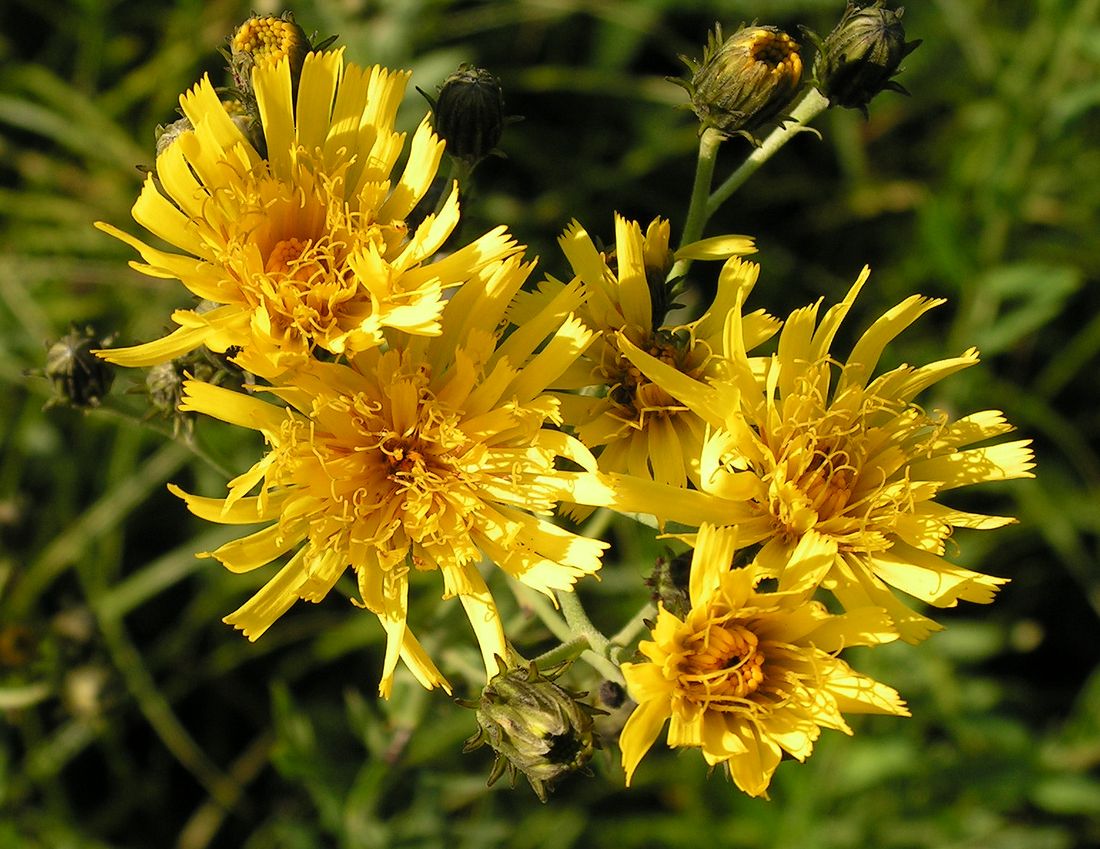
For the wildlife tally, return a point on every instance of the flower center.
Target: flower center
(632, 394)
(813, 482)
(776, 49)
(305, 285)
(722, 666)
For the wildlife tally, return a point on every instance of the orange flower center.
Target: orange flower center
(306, 285)
(722, 666)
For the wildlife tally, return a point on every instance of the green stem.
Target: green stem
(598, 656)
(631, 629)
(566, 651)
(697, 215)
(579, 622)
(459, 172)
(543, 608)
(812, 104)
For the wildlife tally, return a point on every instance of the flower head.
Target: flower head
(535, 727)
(813, 451)
(265, 40)
(860, 56)
(746, 675)
(469, 113)
(429, 456)
(636, 424)
(310, 244)
(745, 81)
(79, 378)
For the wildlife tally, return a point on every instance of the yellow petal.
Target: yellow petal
(931, 578)
(711, 560)
(425, 154)
(718, 247)
(316, 90)
(701, 398)
(809, 563)
(481, 610)
(277, 597)
(864, 357)
(752, 770)
(640, 732)
(831, 321)
(994, 463)
(421, 665)
(231, 407)
(257, 549)
(246, 511)
(565, 346)
(271, 83)
(634, 298)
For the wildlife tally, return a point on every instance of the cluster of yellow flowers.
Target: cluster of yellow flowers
(422, 410)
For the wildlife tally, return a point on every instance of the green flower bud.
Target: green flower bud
(535, 727)
(469, 113)
(164, 386)
(668, 583)
(79, 377)
(746, 81)
(861, 54)
(166, 134)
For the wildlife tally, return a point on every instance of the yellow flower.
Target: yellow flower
(432, 455)
(746, 676)
(828, 453)
(307, 244)
(640, 428)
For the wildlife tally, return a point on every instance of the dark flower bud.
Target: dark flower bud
(264, 40)
(535, 727)
(469, 113)
(612, 694)
(78, 376)
(745, 81)
(859, 57)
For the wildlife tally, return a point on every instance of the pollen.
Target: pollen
(267, 39)
(776, 49)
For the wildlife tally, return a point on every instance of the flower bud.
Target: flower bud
(534, 726)
(78, 376)
(469, 113)
(746, 81)
(167, 134)
(264, 40)
(858, 58)
(668, 582)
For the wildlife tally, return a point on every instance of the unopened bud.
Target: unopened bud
(859, 57)
(535, 727)
(167, 134)
(469, 113)
(78, 376)
(669, 583)
(746, 81)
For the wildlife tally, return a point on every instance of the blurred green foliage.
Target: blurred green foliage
(131, 717)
